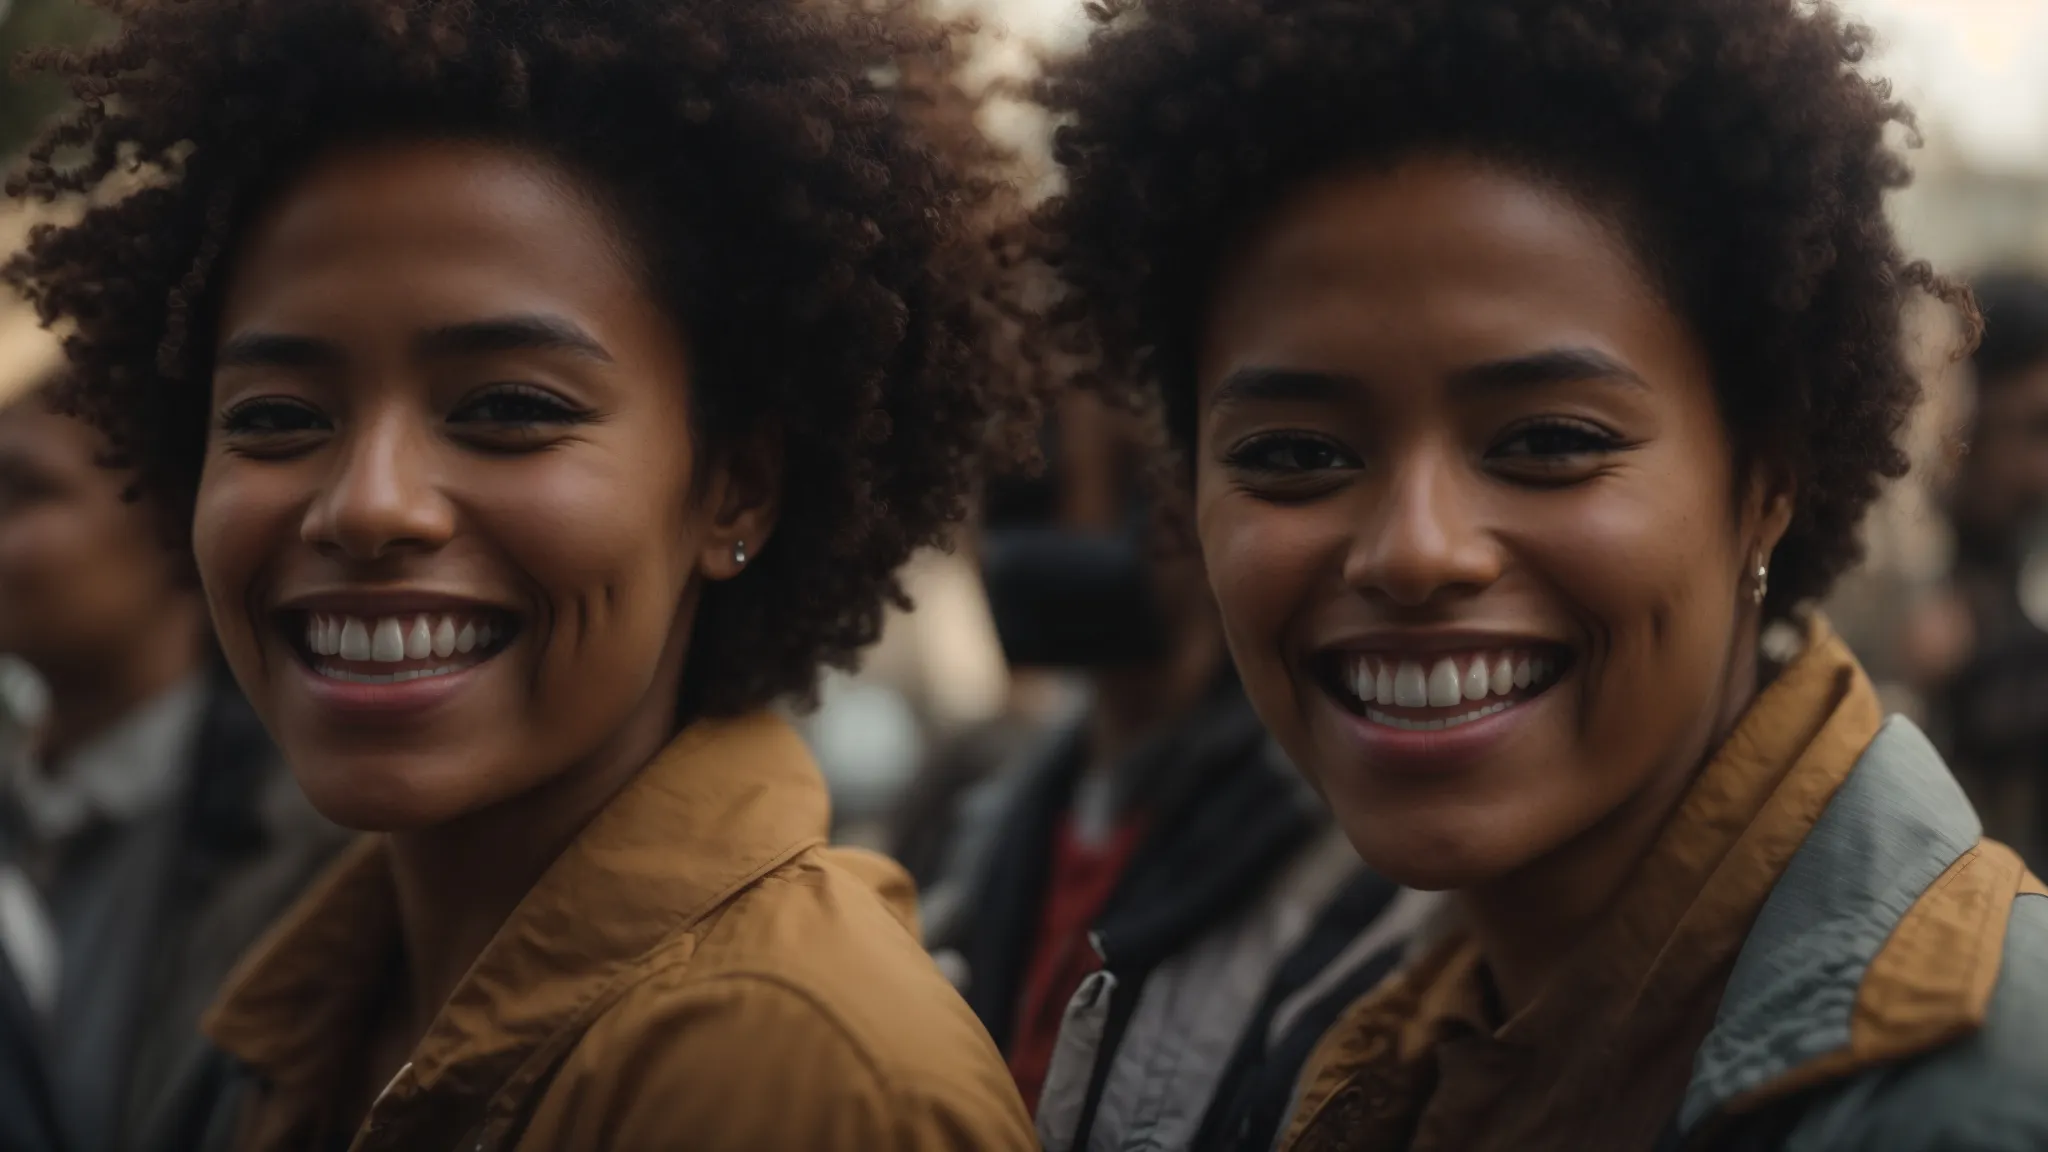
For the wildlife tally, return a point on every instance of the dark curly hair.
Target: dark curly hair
(803, 181)
(1738, 144)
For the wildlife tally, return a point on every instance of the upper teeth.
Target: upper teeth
(390, 639)
(1449, 681)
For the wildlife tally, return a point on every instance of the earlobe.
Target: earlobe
(746, 498)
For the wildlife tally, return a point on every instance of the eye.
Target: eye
(269, 415)
(1555, 449)
(272, 427)
(516, 406)
(1286, 453)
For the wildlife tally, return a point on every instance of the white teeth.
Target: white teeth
(1411, 686)
(387, 642)
(1361, 679)
(355, 641)
(419, 642)
(1383, 689)
(1523, 675)
(1503, 681)
(1459, 721)
(388, 677)
(1446, 686)
(391, 639)
(1478, 682)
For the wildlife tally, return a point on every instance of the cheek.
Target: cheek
(1651, 569)
(606, 548)
(1267, 565)
(236, 523)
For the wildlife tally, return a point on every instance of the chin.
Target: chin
(1439, 849)
(376, 793)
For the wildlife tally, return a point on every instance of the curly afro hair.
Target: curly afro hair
(1746, 155)
(814, 162)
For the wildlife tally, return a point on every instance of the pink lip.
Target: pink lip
(1420, 642)
(407, 700)
(392, 602)
(1442, 752)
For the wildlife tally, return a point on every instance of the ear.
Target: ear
(743, 495)
(1767, 512)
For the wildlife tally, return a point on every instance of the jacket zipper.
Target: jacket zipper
(1123, 1003)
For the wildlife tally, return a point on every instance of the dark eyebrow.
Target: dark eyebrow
(511, 334)
(1555, 366)
(1252, 385)
(276, 350)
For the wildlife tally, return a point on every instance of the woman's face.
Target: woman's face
(85, 580)
(1468, 508)
(451, 526)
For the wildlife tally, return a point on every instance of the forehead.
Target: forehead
(1433, 264)
(457, 228)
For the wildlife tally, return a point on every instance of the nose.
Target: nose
(1423, 540)
(381, 498)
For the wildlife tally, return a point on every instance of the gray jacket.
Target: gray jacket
(1243, 924)
(1893, 993)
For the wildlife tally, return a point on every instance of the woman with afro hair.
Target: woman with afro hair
(545, 388)
(1532, 365)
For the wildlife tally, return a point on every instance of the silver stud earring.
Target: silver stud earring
(739, 553)
(1763, 577)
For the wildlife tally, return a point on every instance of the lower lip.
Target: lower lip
(1445, 749)
(386, 701)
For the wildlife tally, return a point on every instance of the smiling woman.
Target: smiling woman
(1527, 360)
(549, 387)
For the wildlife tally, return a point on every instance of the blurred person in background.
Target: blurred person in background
(548, 389)
(148, 830)
(1150, 912)
(1535, 364)
(1977, 649)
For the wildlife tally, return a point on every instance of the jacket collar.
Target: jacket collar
(726, 802)
(1881, 941)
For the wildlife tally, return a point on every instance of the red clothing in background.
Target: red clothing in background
(1078, 885)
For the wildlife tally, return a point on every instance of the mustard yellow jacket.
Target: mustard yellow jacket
(696, 971)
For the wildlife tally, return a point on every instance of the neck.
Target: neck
(1527, 922)
(457, 883)
(93, 695)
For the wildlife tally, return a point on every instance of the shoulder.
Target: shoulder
(1987, 1092)
(806, 1016)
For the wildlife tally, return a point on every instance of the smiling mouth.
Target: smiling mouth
(400, 648)
(1437, 691)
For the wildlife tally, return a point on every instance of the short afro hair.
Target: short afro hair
(802, 179)
(1747, 157)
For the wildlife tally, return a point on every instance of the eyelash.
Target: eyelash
(244, 418)
(1582, 439)
(541, 407)
(1591, 439)
(274, 426)
(1248, 456)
